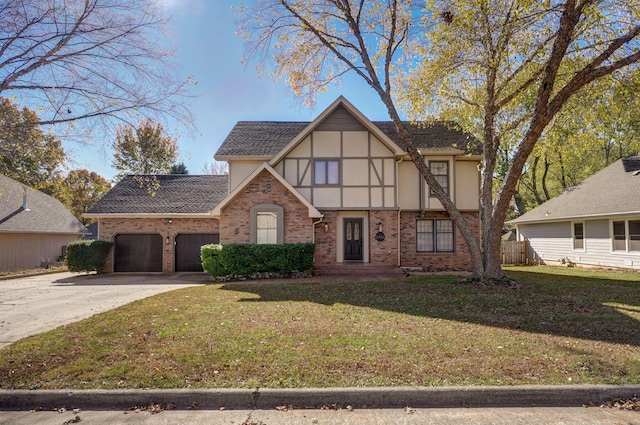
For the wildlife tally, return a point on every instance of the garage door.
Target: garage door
(188, 250)
(138, 253)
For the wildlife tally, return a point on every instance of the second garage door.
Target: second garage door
(137, 253)
(188, 250)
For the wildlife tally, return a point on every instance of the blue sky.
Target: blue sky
(227, 91)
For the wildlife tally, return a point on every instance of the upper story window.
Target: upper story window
(326, 171)
(440, 170)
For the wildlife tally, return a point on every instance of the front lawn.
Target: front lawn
(565, 326)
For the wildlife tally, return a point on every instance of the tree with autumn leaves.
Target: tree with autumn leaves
(37, 159)
(145, 149)
(506, 68)
(80, 190)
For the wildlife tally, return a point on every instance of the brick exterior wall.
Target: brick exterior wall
(460, 259)
(326, 241)
(235, 220)
(383, 253)
(110, 227)
(235, 227)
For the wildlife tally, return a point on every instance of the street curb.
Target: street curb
(393, 397)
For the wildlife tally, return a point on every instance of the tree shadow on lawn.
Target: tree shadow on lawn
(600, 309)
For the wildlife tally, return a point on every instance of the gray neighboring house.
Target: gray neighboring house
(35, 228)
(595, 223)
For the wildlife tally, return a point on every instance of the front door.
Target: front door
(353, 239)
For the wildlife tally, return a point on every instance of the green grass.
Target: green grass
(564, 326)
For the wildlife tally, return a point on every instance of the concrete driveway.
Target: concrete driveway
(32, 305)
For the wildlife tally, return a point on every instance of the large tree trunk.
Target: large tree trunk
(461, 223)
(544, 178)
(534, 180)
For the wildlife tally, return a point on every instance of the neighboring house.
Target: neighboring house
(35, 228)
(342, 182)
(596, 222)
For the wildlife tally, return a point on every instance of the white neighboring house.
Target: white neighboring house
(595, 223)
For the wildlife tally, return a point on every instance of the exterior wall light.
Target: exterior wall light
(167, 240)
(326, 227)
(379, 227)
(168, 221)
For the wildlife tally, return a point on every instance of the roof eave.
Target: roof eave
(78, 233)
(574, 218)
(147, 215)
(262, 158)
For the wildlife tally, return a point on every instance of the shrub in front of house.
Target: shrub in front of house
(210, 258)
(248, 260)
(87, 255)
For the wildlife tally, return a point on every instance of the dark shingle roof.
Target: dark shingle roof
(611, 191)
(163, 194)
(259, 138)
(45, 213)
(267, 138)
(433, 136)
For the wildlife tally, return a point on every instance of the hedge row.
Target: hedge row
(248, 259)
(87, 255)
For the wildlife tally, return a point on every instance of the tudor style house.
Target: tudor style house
(342, 182)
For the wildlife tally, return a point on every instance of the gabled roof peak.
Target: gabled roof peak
(270, 140)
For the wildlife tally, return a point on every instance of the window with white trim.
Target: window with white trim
(434, 235)
(578, 236)
(626, 235)
(634, 235)
(619, 236)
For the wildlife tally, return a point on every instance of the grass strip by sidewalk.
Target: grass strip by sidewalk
(565, 326)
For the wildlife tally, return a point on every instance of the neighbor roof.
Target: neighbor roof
(268, 138)
(614, 190)
(162, 194)
(43, 213)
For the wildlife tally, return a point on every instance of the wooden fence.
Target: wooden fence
(514, 252)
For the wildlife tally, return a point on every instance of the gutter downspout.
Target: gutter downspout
(399, 209)
(313, 229)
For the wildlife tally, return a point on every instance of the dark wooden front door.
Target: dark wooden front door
(353, 239)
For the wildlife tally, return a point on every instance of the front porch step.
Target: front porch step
(360, 270)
